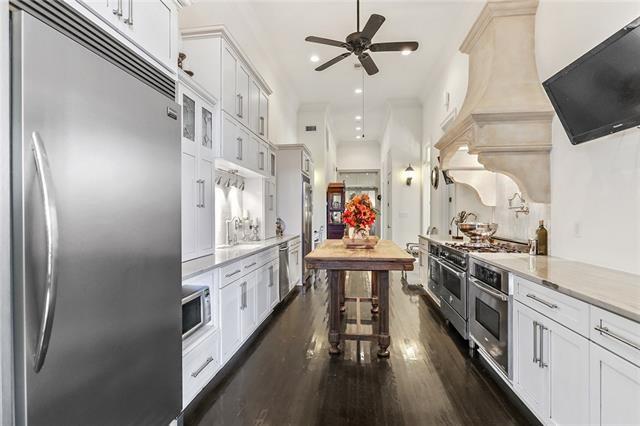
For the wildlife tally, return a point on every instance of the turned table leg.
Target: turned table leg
(384, 340)
(374, 292)
(343, 278)
(334, 311)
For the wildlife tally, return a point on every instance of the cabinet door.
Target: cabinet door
(263, 125)
(530, 380)
(614, 389)
(248, 304)
(274, 276)
(262, 157)
(254, 107)
(230, 314)
(189, 209)
(232, 143)
(150, 24)
(242, 89)
(272, 163)
(230, 100)
(270, 209)
(189, 176)
(107, 9)
(568, 366)
(262, 292)
(250, 143)
(205, 228)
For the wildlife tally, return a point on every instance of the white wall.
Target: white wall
(247, 31)
(322, 145)
(358, 156)
(595, 187)
(400, 146)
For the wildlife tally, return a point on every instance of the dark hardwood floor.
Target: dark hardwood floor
(287, 377)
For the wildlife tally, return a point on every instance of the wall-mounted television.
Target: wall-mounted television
(599, 93)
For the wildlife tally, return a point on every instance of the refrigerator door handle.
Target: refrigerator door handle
(51, 223)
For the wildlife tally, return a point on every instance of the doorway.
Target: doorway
(362, 182)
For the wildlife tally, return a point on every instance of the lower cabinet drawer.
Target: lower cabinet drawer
(231, 272)
(615, 333)
(199, 366)
(570, 312)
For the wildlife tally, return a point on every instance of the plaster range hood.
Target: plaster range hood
(505, 119)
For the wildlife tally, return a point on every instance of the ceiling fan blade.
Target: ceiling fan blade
(367, 62)
(394, 46)
(314, 39)
(333, 61)
(372, 26)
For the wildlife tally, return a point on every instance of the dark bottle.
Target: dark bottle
(541, 236)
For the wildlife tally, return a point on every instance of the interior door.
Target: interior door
(387, 206)
(114, 346)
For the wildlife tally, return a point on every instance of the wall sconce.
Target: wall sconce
(409, 174)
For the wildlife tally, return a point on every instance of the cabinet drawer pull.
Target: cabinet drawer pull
(541, 363)
(544, 302)
(605, 330)
(233, 273)
(238, 105)
(208, 361)
(536, 360)
(249, 266)
(262, 126)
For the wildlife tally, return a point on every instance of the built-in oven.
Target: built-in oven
(196, 308)
(489, 321)
(453, 288)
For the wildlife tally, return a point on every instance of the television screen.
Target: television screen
(599, 93)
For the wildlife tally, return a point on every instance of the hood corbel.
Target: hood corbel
(506, 118)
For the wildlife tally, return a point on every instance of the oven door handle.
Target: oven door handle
(450, 269)
(489, 290)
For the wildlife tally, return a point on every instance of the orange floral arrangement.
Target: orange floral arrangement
(359, 212)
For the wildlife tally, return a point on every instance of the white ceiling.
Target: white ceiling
(439, 27)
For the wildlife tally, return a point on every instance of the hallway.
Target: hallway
(288, 378)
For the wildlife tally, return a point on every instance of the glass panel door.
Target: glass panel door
(188, 118)
(207, 128)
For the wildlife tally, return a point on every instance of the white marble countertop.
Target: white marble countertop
(441, 239)
(224, 256)
(614, 291)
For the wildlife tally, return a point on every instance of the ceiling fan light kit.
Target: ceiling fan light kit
(360, 42)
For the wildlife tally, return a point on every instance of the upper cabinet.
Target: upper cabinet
(150, 27)
(199, 137)
(221, 67)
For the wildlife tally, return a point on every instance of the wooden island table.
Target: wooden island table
(333, 256)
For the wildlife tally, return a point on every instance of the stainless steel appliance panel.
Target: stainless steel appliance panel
(113, 178)
(453, 287)
(489, 321)
(283, 278)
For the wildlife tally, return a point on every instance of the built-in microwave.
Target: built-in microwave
(196, 308)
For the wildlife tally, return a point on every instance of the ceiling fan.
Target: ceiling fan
(360, 41)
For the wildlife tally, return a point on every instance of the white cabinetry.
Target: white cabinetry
(551, 363)
(230, 320)
(615, 388)
(150, 26)
(198, 170)
(295, 263)
(247, 305)
(244, 94)
(270, 215)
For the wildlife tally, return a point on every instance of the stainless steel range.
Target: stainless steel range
(474, 296)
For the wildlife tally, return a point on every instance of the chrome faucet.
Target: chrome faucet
(522, 208)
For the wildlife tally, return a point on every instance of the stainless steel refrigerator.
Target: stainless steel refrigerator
(96, 231)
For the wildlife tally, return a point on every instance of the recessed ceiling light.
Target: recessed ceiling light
(358, 91)
(358, 117)
(358, 136)
(316, 58)
(358, 128)
(406, 52)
